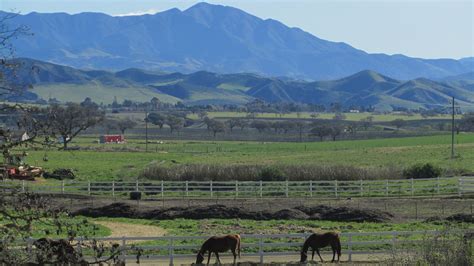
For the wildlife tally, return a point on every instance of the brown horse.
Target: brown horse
(219, 244)
(317, 241)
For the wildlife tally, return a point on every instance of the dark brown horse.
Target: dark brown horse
(317, 241)
(219, 244)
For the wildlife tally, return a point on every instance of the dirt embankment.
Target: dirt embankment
(320, 212)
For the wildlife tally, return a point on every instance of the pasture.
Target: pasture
(125, 161)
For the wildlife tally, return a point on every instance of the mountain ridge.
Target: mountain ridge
(213, 38)
(365, 88)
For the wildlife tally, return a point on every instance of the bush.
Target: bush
(206, 172)
(272, 174)
(422, 171)
(448, 248)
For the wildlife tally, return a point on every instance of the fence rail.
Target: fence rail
(255, 189)
(263, 247)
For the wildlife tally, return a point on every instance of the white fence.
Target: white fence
(265, 248)
(250, 189)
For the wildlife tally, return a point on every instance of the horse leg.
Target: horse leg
(312, 255)
(317, 251)
(209, 257)
(218, 260)
(235, 255)
(333, 254)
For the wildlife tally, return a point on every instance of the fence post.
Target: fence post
(113, 188)
(62, 186)
(349, 247)
(394, 240)
(286, 188)
(210, 188)
(187, 189)
(89, 187)
(261, 188)
(386, 188)
(412, 187)
(260, 248)
(22, 185)
(162, 189)
(310, 188)
(437, 185)
(136, 186)
(335, 188)
(170, 251)
(460, 187)
(361, 188)
(29, 245)
(236, 188)
(123, 252)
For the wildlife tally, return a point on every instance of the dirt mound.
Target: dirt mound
(346, 214)
(287, 214)
(224, 212)
(461, 217)
(113, 210)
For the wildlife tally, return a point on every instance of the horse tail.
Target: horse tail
(238, 244)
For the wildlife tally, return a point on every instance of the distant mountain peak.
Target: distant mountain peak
(209, 37)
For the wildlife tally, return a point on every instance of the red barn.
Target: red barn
(112, 139)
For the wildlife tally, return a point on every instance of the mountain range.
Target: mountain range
(213, 38)
(365, 88)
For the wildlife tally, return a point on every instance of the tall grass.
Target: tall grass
(448, 248)
(205, 172)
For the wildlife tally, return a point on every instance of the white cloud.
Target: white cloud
(138, 13)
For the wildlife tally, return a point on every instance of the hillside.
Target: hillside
(211, 38)
(365, 88)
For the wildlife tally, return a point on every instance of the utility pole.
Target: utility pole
(146, 129)
(452, 132)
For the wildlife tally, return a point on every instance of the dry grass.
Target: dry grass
(120, 229)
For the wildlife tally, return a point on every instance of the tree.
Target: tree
(367, 122)
(300, 126)
(157, 119)
(216, 127)
(335, 131)
(321, 131)
(233, 122)
(124, 124)
(260, 125)
(155, 104)
(398, 123)
(339, 116)
(175, 123)
(109, 125)
(70, 120)
(25, 215)
(467, 123)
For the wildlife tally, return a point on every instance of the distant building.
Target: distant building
(353, 111)
(112, 139)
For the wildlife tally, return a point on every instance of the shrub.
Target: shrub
(422, 171)
(206, 172)
(272, 174)
(448, 248)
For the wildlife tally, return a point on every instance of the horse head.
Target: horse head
(199, 258)
(304, 256)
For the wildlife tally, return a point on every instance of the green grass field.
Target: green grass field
(125, 161)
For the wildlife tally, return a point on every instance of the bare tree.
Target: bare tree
(175, 123)
(124, 124)
(321, 131)
(398, 123)
(336, 131)
(70, 120)
(157, 119)
(216, 127)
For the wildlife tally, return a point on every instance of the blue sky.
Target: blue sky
(419, 28)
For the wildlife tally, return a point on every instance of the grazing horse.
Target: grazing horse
(317, 241)
(219, 244)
